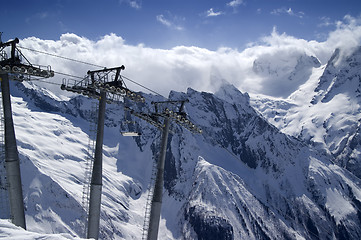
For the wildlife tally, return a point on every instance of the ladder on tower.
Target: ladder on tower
(4, 194)
(149, 201)
(89, 162)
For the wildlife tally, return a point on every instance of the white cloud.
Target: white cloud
(287, 11)
(137, 4)
(162, 20)
(169, 23)
(212, 13)
(325, 22)
(181, 67)
(235, 3)
(347, 35)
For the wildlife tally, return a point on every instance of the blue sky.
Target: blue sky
(167, 23)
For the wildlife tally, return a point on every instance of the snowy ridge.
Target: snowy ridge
(325, 111)
(282, 179)
(241, 179)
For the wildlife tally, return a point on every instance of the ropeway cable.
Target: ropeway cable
(58, 56)
(130, 80)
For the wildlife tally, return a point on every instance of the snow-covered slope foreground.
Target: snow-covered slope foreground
(241, 179)
(325, 111)
(9, 231)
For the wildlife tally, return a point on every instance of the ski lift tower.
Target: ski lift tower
(11, 67)
(107, 86)
(170, 111)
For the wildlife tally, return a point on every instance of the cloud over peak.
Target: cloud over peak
(181, 67)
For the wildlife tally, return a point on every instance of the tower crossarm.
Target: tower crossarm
(108, 80)
(18, 69)
(173, 110)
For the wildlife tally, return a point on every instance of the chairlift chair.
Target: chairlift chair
(126, 130)
(130, 134)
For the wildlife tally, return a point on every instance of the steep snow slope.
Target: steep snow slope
(325, 111)
(53, 149)
(285, 177)
(10, 231)
(241, 179)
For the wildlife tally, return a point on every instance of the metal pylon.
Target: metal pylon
(4, 195)
(96, 183)
(148, 204)
(13, 68)
(107, 88)
(89, 162)
(154, 200)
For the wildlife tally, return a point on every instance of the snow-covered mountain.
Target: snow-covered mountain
(325, 111)
(287, 71)
(241, 179)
